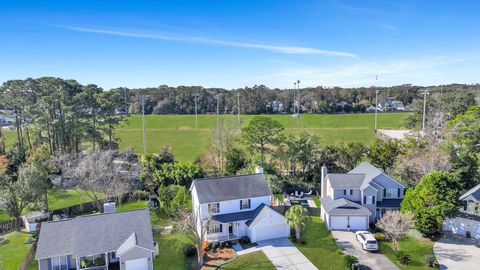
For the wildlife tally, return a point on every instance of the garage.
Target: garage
(462, 226)
(348, 222)
(270, 232)
(138, 264)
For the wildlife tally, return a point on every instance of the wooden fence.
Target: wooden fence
(29, 257)
(9, 225)
(312, 211)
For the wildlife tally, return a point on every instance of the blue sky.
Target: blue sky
(234, 44)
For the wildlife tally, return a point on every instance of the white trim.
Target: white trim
(118, 255)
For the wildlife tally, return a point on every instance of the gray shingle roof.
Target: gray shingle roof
(473, 194)
(343, 206)
(231, 188)
(343, 180)
(94, 234)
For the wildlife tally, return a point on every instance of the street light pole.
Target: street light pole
(195, 95)
(298, 100)
(218, 111)
(294, 98)
(425, 92)
(142, 99)
(238, 110)
(376, 108)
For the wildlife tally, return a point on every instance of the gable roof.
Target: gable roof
(472, 195)
(343, 180)
(371, 173)
(130, 242)
(94, 234)
(231, 188)
(262, 208)
(343, 206)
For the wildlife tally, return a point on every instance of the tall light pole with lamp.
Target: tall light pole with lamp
(298, 100)
(142, 99)
(425, 92)
(196, 95)
(238, 111)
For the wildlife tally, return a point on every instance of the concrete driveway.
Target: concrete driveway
(349, 244)
(283, 254)
(457, 253)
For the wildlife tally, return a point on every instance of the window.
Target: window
(244, 204)
(368, 199)
(348, 191)
(213, 207)
(214, 228)
(391, 193)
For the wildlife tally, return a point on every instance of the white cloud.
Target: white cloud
(285, 49)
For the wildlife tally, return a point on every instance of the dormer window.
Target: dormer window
(391, 193)
(245, 204)
(348, 192)
(213, 208)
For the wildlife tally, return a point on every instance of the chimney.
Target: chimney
(259, 169)
(323, 183)
(109, 208)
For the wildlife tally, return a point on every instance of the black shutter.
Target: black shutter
(241, 205)
(218, 207)
(249, 206)
(364, 199)
(221, 228)
(344, 192)
(384, 192)
(398, 193)
(373, 200)
(351, 192)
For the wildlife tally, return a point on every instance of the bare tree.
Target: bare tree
(395, 225)
(100, 174)
(192, 222)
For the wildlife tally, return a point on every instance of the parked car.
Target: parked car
(367, 241)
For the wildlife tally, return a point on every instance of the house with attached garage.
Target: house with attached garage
(467, 221)
(237, 206)
(353, 200)
(121, 240)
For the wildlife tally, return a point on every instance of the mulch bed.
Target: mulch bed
(214, 259)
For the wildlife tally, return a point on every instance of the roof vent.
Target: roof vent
(109, 208)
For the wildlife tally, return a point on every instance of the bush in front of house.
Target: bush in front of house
(403, 258)
(350, 260)
(379, 236)
(245, 240)
(431, 261)
(189, 250)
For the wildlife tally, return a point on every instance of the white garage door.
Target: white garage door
(338, 223)
(357, 223)
(271, 232)
(343, 223)
(139, 264)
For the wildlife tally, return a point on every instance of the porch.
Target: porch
(218, 232)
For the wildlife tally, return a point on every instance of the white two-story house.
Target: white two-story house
(239, 206)
(353, 200)
(467, 221)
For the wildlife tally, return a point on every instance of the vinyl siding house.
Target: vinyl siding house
(467, 222)
(120, 240)
(353, 200)
(239, 206)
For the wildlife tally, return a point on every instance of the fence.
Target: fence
(29, 257)
(312, 211)
(9, 225)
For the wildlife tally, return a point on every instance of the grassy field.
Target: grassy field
(14, 250)
(319, 247)
(255, 260)
(418, 249)
(188, 143)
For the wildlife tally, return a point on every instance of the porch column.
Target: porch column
(106, 260)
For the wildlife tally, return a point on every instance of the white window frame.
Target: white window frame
(370, 200)
(391, 193)
(214, 208)
(214, 228)
(245, 204)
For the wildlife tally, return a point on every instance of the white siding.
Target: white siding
(233, 206)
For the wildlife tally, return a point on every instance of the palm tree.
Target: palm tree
(297, 216)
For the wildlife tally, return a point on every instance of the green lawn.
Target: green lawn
(188, 143)
(279, 197)
(255, 260)
(320, 248)
(418, 249)
(316, 200)
(57, 200)
(14, 250)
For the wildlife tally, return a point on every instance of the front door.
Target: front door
(230, 228)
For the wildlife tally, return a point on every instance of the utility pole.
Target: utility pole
(294, 98)
(298, 101)
(142, 99)
(376, 108)
(425, 92)
(238, 111)
(195, 95)
(126, 103)
(218, 111)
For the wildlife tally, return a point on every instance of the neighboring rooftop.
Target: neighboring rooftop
(231, 188)
(472, 195)
(94, 234)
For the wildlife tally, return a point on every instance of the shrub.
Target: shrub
(139, 195)
(205, 246)
(339, 251)
(403, 258)
(431, 261)
(245, 240)
(189, 250)
(379, 236)
(350, 260)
